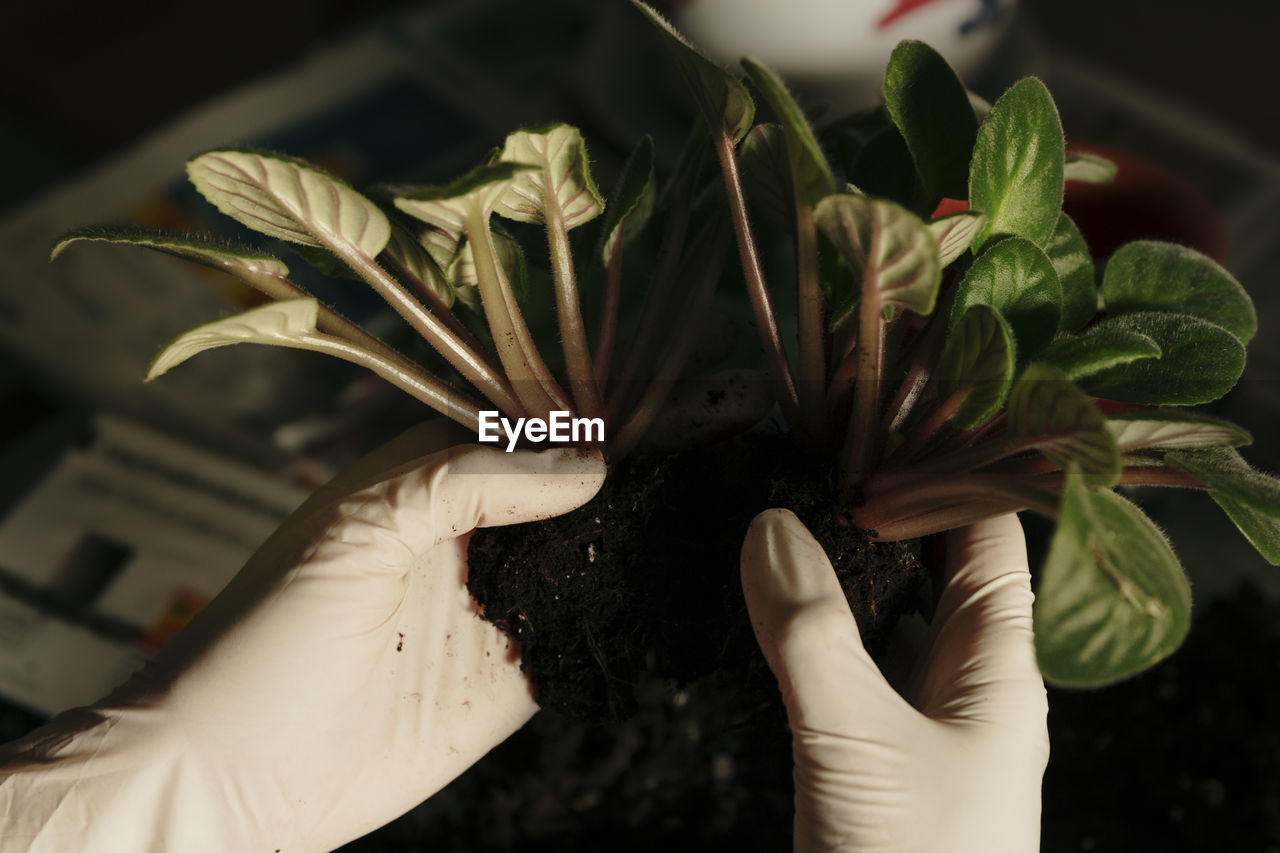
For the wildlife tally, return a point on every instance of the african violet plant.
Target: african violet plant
(955, 356)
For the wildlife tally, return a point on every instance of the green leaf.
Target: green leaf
(766, 175)
(562, 177)
(930, 107)
(240, 261)
(632, 203)
(884, 168)
(1113, 599)
(980, 353)
(887, 242)
(1250, 498)
(1151, 276)
(1199, 362)
(1015, 177)
(1097, 348)
(725, 102)
(1045, 406)
(291, 323)
(1224, 470)
(1017, 279)
(447, 207)
(810, 173)
(1173, 429)
(290, 200)
(1071, 260)
(1089, 168)
(955, 234)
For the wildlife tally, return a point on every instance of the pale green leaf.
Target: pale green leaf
(290, 200)
(1017, 279)
(1047, 408)
(931, 109)
(1089, 168)
(290, 323)
(1199, 362)
(955, 234)
(408, 255)
(725, 102)
(462, 276)
(1098, 348)
(1015, 177)
(1152, 276)
(1173, 429)
(562, 177)
(1069, 254)
(1113, 599)
(810, 172)
(240, 261)
(890, 245)
(980, 355)
(448, 207)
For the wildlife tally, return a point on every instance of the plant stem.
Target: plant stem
(960, 461)
(530, 378)
(470, 363)
(706, 260)
(661, 290)
(608, 317)
(437, 306)
(812, 368)
(420, 385)
(757, 291)
(573, 332)
(942, 413)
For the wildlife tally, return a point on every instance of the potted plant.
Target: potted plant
(954, 356)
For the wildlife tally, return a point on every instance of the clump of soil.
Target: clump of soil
(641, 585)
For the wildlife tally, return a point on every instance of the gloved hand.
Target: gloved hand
(343, 676)
(958, 767)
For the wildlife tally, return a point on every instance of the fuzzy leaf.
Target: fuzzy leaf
(725, 102)
(1199, 362)
(887, 242)
(1173, 429)
(286, 323)
(931, 109)
(1089, 168)
(462, 271)
(562, 177)
(1047, 407)
(1113, 599)
(980, 352)
(884, 168)
(290, 200)
(1015, 177)
(1097, 348)
(240, 261)
(810, 173)
(1151, 276)
(766, 176)
(1069, 254)
(632, 202)
(1250, 498)
(447, 207)
(955, 234)
(408, 254)
(1017, 279)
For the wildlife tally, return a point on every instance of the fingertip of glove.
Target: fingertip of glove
(782, 565)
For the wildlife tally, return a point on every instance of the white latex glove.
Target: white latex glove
(958, 767)
(342, 677)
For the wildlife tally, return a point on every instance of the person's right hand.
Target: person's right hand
(958, 767)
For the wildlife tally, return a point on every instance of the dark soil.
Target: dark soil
(642, 584)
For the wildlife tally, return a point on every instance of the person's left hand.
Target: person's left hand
(342, 677)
